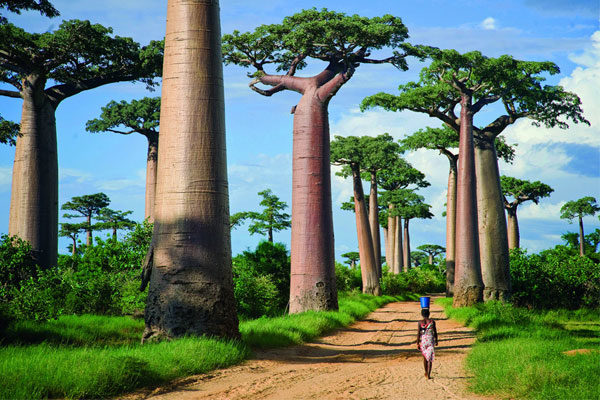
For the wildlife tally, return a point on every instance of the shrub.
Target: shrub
(554, 278)
(423, 279)
(347, 279)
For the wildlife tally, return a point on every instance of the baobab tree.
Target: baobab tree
(579, 209)
(445, 140)
(348, 151)
(474, 81)
(431, 250)
(343, 42)
(520, 191)
(114, 220)
(71, 231)
(138, 116)
(45, 69)
(188, 264)
(87, 206)
(351, 258)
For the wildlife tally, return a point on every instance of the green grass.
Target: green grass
(519, 353)
(97, 356)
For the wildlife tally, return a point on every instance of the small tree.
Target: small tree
(579, 209)
(520, 191)
(87, 206)
(71, 231)
(114, 220)
(138, 116)
(432, 250)
(351, 258)
(270, 220)
(8, 132)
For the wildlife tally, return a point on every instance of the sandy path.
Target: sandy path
(373, 359)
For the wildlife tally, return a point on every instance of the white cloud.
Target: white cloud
(488, 24)
(542, 211)
(74, 175)
(5, 177)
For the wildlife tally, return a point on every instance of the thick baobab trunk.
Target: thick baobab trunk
(390, 256)
(468, 286)
(374, 223)
(312, 285)
(406, 246)
(398, 247)
(34, 198)
(191, 285)
(513, 228)
(151, 165)
(387, 245)
(451, 228)
(581, 237)
(368, 266)
(491, 219)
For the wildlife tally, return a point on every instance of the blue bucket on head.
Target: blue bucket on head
(425, 302)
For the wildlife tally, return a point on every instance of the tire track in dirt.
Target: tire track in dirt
(375, 358)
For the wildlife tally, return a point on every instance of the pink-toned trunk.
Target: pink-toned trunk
(312, 285)
(581, 237)
(398, 249)
(368, 267)
(390, 250)
(406, 248)
(34, 194)
(468, 286)
(151, 165)
(451, 228)
(374, 223)
(191, 285)
(491, 219)
(387, 245)
(513, 228)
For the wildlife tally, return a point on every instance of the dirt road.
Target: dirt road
(375, 358)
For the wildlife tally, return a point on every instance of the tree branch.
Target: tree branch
(10, 93)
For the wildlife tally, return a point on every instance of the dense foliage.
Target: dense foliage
(554, 278)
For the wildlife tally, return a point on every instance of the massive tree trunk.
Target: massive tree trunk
(390, 256)
(468, 286)
(398, 247)
(34, 196)
(374, 222)
(493, 238)
(581, 237)
(151, 165)
(368, 266)
(513, 228)
(191, 285)
(312, 285)
(451, 227)
(406, 249)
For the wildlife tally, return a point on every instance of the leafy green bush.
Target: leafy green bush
(347, 279)
(423, 279)
(554, 278)
(17, 264)
(262, 280)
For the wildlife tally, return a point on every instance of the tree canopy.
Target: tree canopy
(579, 208)
(8, 132)
(77, 56)
(522, 190)
(141, 116)
(43, 6)
(270, 220)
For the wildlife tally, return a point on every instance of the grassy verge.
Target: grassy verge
(98, 357)
(521, 353)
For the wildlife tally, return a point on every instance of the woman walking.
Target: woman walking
(427, 338)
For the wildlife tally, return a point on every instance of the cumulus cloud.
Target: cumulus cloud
(488, 24)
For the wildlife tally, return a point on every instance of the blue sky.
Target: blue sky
(259, 141)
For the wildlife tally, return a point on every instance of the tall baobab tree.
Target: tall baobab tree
(138, 116)
(520, 191)
(474, 81)
(46, 69)
(578, 209)
(188, 265)
(343, 42)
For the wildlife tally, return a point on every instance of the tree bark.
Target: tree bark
(581, 237)
(368, 266)
(191, 285)
(468, 286)
(406, 249)
(312, 285)
(451, 227)
(387, 245)
(151, 165)
(374, 222)
(513, 228)
(88, 231)
(34, 194)
(398, 249)
(430, 259)
(391, 249)
(493, 237)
